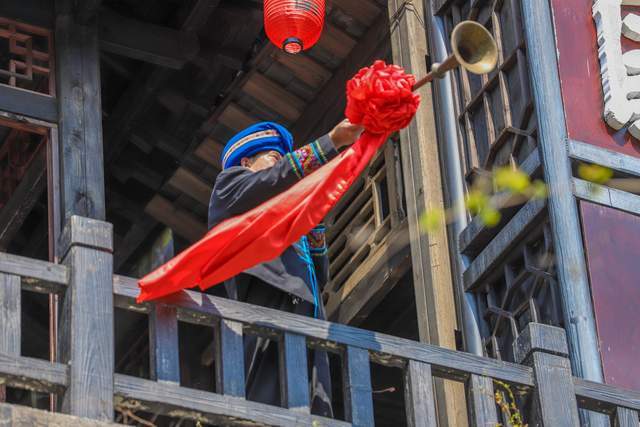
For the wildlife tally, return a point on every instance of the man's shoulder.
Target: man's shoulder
(231, 173)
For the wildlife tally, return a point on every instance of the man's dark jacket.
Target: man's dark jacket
(282, 283)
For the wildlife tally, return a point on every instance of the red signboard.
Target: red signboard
(611, 239)
(580, 79)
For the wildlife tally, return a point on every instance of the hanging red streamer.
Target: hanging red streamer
(380, 98)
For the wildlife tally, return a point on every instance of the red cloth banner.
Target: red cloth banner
(380, 97)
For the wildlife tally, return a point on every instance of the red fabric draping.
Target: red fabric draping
(380, 98)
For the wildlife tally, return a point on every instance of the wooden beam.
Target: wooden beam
(607, 196)
(364, 11)
(19, 415)
(304, 68)
(28, 103)
(210, 408)
(141, 92)
(35, 12)
(146, 42)
(612, 159)
(33, 374)
(275, 96)
(33, 271)
(178, 220)
(210, 151)
(235, 118)
(597, 396)
(134, 238)
(190, 184)
(336, 41)
(31, 187)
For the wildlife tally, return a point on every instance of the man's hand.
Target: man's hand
(345, 133)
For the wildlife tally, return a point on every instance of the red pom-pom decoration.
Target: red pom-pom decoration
(380, 98)
(294, 25)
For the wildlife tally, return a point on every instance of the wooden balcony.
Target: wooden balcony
(90, 388)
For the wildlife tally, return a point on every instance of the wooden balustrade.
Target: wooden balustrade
(544, 374)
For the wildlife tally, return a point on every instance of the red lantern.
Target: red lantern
(293, 25)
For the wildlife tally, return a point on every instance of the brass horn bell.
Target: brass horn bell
(473, 48)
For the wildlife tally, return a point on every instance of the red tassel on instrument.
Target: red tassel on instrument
(379, 97)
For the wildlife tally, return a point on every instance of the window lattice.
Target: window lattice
(26, 57)
(496, 119)
(523, 290)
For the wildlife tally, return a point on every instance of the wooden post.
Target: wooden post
(85, 340)
(482, 403)
(418, 392)
(433, 280)
(9, 319)
(79, 110)
(575, 293)
(544, 348)
(358, 398)
(163, 344)
(230, 361)
(294, 377)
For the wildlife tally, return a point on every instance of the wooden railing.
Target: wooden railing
(544, 374)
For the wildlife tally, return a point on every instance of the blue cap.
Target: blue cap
(265, 136)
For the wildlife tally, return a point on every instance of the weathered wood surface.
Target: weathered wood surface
(28, 103)
(556, 402)
(163, 344)
(544, 348)
(418, 395)
(182, 222)
(21, 416)
(431, 264)
(626, 418)
(445, 363)
(294, 377)
(33, 374)
(147, 42)
(10, 314)
(80, 114)
(40, 276)
(552, 133)
(607, 196)
(539, 337)
(612, 159)
(86, 232)
(230, 358)
(482, 402)
(86, 336)
(189, 183)
(373, 279)
(358, 399)
(599, 397)
(511, 235)
(173, 400)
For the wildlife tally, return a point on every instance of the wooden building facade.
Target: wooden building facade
(113, 115)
